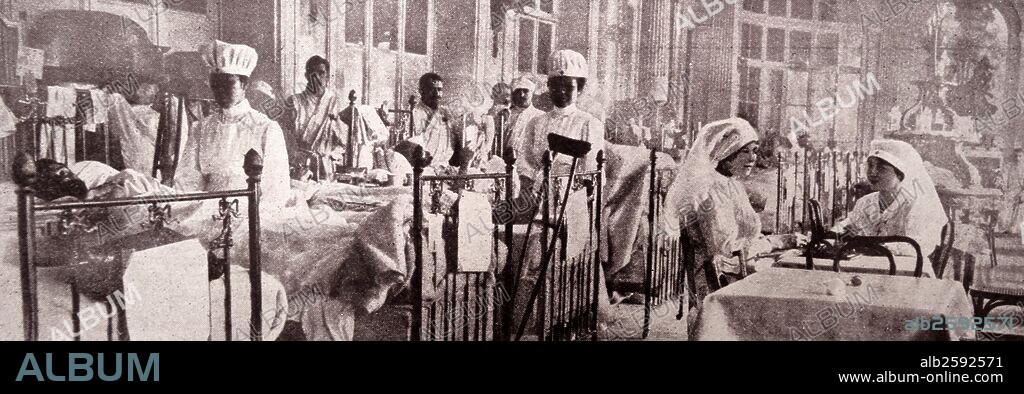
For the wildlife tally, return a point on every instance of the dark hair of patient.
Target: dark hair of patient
(428, 79)
(56, 181)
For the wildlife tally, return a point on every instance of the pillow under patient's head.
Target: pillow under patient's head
(93, 173)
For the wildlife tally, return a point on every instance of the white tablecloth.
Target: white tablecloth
(791, 304)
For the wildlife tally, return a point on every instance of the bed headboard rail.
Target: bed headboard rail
(25, 176)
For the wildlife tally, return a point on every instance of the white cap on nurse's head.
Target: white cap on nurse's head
(524, 83)
(567, 63)
(892, 151)
(229, 58)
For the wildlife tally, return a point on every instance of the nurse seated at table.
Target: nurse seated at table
(713, 204)
(904, 201)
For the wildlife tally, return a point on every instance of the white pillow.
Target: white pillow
(93, 173)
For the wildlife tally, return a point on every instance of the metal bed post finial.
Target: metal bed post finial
(25, 176)
(350, 149)
(510, 157)
(253, 167)
(24, 170)
(500, 120)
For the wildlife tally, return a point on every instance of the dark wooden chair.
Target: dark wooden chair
(706, 270)
(940, 257)
(994, 285)
(818, 245)
(877, 244)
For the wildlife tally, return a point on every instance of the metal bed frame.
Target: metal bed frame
(25, 176)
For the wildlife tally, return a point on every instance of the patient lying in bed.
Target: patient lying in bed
(352, 258)
(97, 279)
(305, 246)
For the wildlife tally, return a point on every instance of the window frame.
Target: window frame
(767, 22)
(820, 50)
(814, 10)
(401, 36)
(768, 45)
(365, 7)
(820, 5)
(537, 17)
(427, 44)
(814, 27)
(762, 5)
(748, 98)
(398, 18)
(785, 8)
(748, 31)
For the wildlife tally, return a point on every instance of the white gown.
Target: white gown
(215, 154)
(900, 218)
(213, 161)
(517, 126)
(569, 122)
(915, 212)
(432, 130)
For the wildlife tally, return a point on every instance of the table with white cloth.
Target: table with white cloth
(791, 304)
(858, 264)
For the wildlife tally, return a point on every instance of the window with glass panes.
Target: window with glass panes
(386, 17)
(777, 7)
(751, 41)
(827, 49)
(753, 5)
(827, 10)
(536, 36)
(775, 49)
(778, 38)
(800, 44)
(417, 16)
(385, 24)
(750, 94)
(802, 9)
(355, 22)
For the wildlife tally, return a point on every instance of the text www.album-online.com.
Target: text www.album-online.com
(938, 377)
(946, 376)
